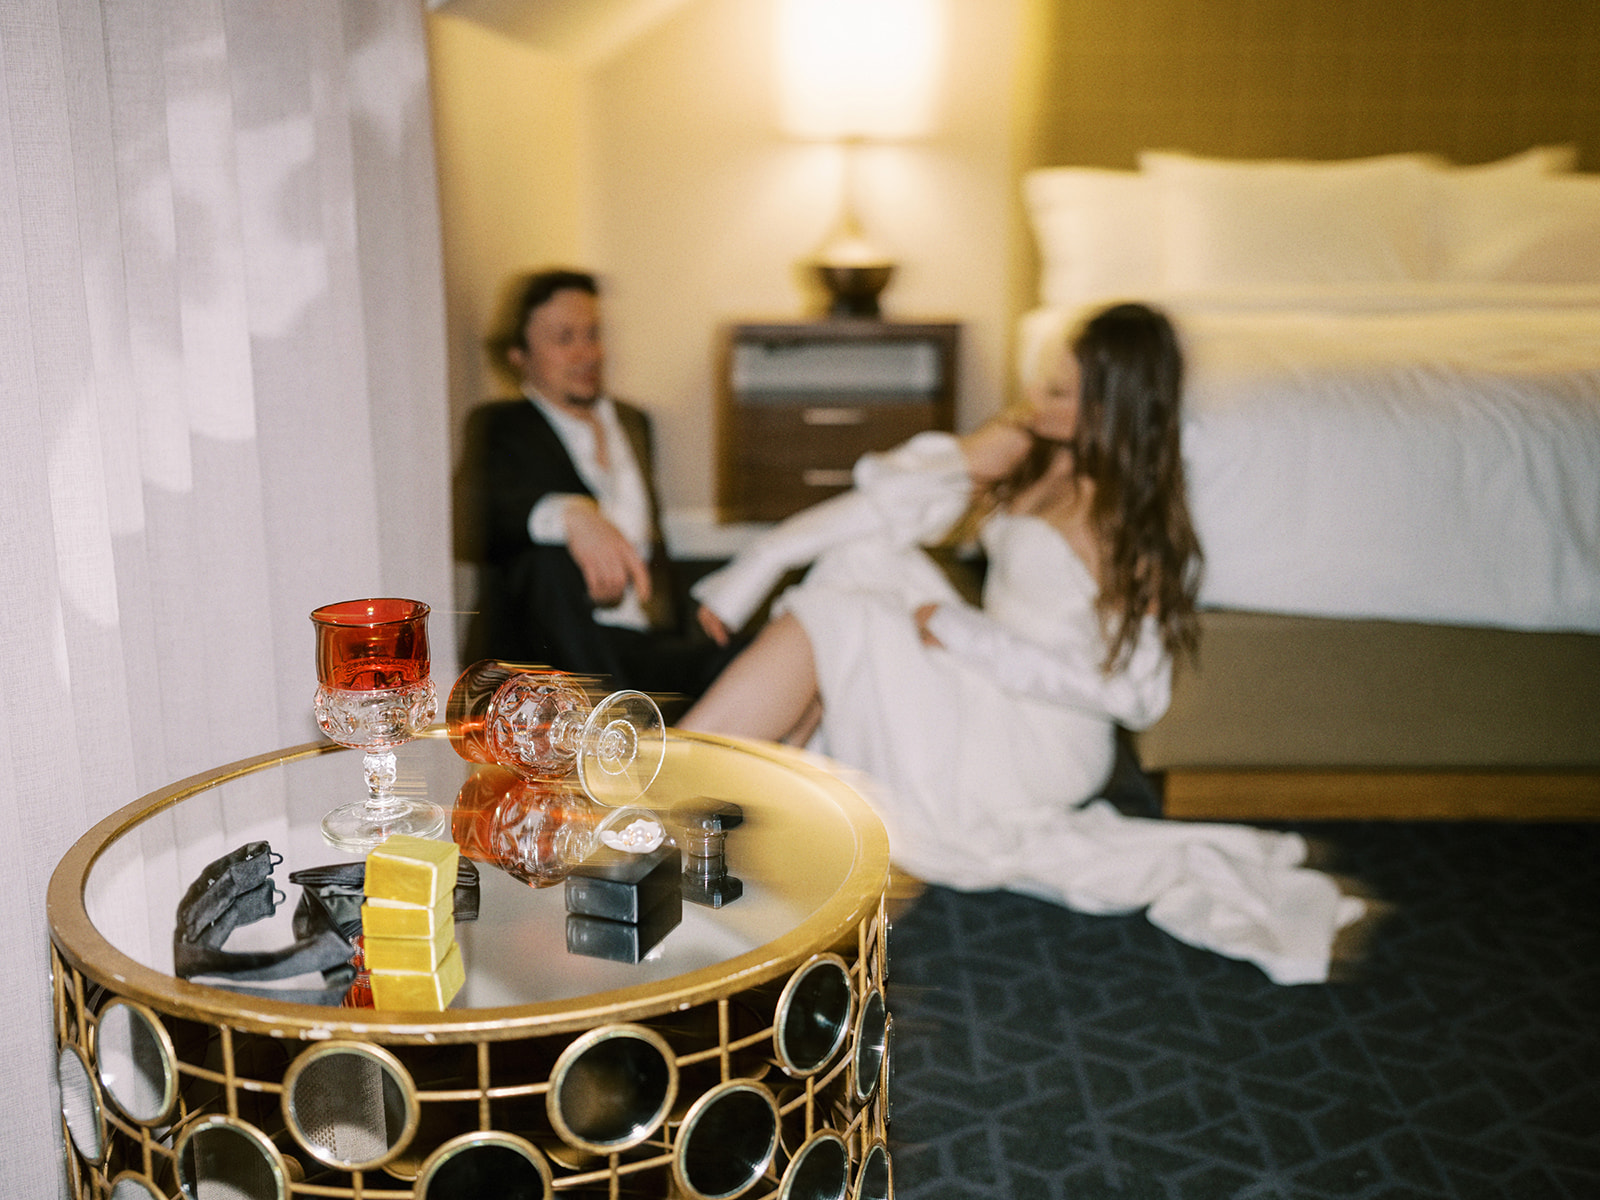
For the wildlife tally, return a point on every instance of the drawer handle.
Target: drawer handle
(834, 416)
(822, 477)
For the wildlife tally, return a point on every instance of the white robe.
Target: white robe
(980, 753)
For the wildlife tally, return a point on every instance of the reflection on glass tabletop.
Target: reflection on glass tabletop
(807, 850)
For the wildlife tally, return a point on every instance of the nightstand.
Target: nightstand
(799, 402)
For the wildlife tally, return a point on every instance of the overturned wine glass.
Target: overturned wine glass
(543, 725)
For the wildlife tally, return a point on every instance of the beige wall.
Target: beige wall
(661, 167)
(506, 121)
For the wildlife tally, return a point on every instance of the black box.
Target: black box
(623, 941)
(618, 886)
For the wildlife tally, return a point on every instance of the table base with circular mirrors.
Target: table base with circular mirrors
(741, 1052)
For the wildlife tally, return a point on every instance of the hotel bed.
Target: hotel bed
(1393, 452)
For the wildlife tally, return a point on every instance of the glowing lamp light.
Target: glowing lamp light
(853, 71)
(850, 69)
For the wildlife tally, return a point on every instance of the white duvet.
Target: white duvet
(1415, 454)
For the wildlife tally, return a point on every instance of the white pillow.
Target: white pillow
(1097, 233)
(1536, 160)
(1272, 222)
(1542, 229)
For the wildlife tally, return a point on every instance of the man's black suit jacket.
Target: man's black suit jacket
(533, 604)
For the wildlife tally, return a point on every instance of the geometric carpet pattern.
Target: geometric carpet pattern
(1042, 1054)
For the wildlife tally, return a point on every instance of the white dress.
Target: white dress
(981, 753)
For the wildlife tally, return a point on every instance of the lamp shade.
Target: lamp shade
(858, 69)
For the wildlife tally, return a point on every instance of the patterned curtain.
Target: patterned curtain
(222, 403)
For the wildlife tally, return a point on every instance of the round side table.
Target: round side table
(739, 1048)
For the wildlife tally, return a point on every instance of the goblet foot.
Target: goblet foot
(360, 826)
(620, 748)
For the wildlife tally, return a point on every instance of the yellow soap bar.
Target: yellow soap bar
(408, 953)
(415, 870)
(420, 991)
(396, 919)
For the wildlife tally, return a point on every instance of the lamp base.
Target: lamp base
(853, 289)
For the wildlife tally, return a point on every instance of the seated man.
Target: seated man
(561, 491)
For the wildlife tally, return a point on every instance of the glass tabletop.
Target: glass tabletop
(810, 856)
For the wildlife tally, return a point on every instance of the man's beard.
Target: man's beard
(584, 401)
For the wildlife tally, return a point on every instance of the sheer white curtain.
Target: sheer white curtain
(221, 404)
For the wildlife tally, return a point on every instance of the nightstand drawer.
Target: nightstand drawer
(823, 436)
(785, 457)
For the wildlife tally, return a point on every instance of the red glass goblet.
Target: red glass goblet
(542, 725)
(374, 692)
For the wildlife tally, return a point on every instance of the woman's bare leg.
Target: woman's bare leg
(807, 725)
(769, 691)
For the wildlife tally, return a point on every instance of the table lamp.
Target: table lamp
(852, 72)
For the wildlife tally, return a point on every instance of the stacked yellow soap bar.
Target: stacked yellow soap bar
(407, 927)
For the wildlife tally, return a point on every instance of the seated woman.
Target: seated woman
(984, 731)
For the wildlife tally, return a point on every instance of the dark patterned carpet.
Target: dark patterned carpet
(1043, 1054)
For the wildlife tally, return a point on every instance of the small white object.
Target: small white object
(639, 836)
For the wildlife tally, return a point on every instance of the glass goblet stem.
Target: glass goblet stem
(379, 768)
(567, 730)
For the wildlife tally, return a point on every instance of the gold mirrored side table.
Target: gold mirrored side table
(745, 1054)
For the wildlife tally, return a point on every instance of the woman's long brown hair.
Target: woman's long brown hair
(1127, 445)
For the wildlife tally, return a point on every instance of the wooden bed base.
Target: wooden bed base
(1291, 718)
(1365, 795)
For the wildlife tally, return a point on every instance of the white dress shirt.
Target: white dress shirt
(619, 490)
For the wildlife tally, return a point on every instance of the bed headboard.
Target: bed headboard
(1472, 80)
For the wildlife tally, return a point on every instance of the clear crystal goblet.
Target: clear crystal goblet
(534, 830)
(374, 693)
(543, 725)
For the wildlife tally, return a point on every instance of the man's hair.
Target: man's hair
(534, 294)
